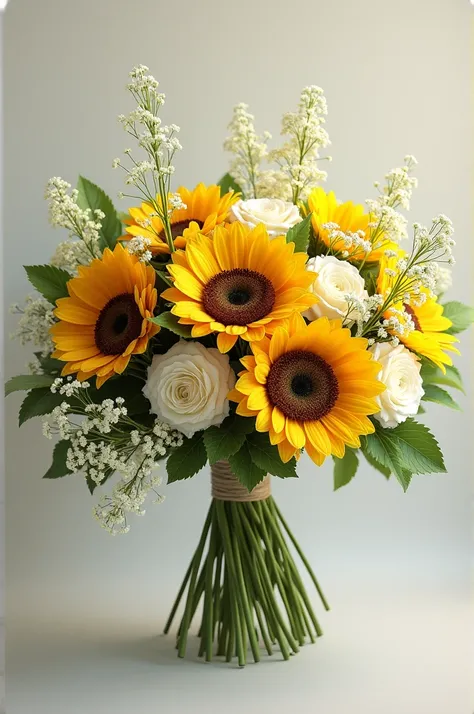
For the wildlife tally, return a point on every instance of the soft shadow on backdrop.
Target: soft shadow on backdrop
(82, 607)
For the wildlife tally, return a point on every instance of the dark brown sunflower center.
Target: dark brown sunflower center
(119, 323)
(302, 385)
(411, 312)
(178, 228)
(238, 297)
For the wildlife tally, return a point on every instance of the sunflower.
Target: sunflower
(349, 217)
(240, 283)
(429, 338)
(310, 386)
(104, 321)
(205, 209)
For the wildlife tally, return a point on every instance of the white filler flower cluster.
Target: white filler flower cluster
(108, 441)
(84, 224)
(33, 326)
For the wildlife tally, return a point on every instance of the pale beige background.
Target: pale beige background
(83, 608)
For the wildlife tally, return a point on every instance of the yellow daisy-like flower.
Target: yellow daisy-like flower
(238, 284)
(104, 321)
(350, 217)
(310, 386)
(429, 338)
(205, 209)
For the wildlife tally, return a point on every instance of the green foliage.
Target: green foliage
(49, 365)
(222, 441)
(171, 323)
(48, 280)
(265, 456)
(376, 464)
(408, 449)
(345, 469)
(39, 402)
(227, 184)
(242, 465)
(25, 382)
(431, 374)
(433, 393)
(58, 468)
(93, 197)
(188, 459)
(300, 235)
(462, 316)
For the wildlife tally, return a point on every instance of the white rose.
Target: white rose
(276, 215)
(404, 387)
(188, 386)
(335, 279)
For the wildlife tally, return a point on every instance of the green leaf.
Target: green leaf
(460, 315)
(49, 365)
(58, 468)
(48, 280)
(227, 184)
(187, 460)
(345, 469)
(266, 457)
(93, 197)
(421, 410)
(171, 323)
(25, 382)
(39, 402)
(300, 235)
(375, 464)
(243, 466)
(433, 393)
(222, 441)
(408, 449)
(431, 374)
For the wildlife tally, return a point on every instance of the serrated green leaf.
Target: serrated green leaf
(462, 316)
(433, 393)
(300, 235)
(375, 464)
(227, 183)
(222, 441)
(25, 382)
(187, 460)
(93, 197)
(345, 469)
(58, 468)
(431, 374)
(171, 322)
(408, 449)
(266, 456)
(39, 402)
(243, 467)
(130, 388)
(387, 453)
(421, 410)
(48, 280)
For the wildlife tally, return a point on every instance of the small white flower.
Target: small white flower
(188, 386)
(400, 373)
(276, 215)
(339, 288)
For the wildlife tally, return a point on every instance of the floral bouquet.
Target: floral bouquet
(238, 324)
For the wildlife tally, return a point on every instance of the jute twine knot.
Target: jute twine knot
(226, 487)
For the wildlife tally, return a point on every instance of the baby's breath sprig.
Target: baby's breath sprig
(107, 440)
(85, 224)
(248, 148)
(152, 176)
(297, 158)
(414, 276)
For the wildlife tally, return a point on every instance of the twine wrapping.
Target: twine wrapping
(226, 487)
